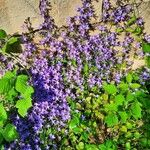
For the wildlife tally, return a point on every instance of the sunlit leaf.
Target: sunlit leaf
(129, 78)
(23, 105)
(136, 110)
(119, 99)
(124, 116)
(21, 83)
(110, 89)
(3, 115)
(146, 47)
(10, 132)
(111, 120)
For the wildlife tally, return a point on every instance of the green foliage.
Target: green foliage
(21, 83)
(9, 132)
(136, 110)
(124, 116)
(132, 20)
(80, 146)
(86, 69)
(74, 122)
(135, 85)
(3, 115)
(112, 114)
(7, 82)
(26, 91)
(111, 120)
(12, 46)
(12, 87)
(123, 87)
(119, 99)
(3, 34)
(146, 47)
(129, 78)
(148, 61)
(91, 147)
(108, 145)
(110, 88)
(23, 105)
(119, 30)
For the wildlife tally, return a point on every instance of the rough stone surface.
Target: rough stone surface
(144, 11)
(14, 12)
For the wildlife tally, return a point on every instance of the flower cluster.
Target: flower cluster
(74, 60)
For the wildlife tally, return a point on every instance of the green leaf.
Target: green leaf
(148, 61)
(91, 147)
(136, 110)
(135, 85)
(111, 120)
(77, 130)
(135, 76)
(129, 97)
(138, 30)
(13, 40)
(80, 146)
(111, 107)
(5, 85)
(123, 86)
(10, 74)
(12, 45)
(119, 30)
(23, 106)
(137, 135)
(21, 83)
(28, 92)
(124, 116)
(2, 147)
(3, 115)
(10, 133)
(84, 136)
(74, 122)
(123, 129)
(128, 146)
(7, 82)
(1, 138)
(144, 141)
(3, 34)
(131, 21)
(74, 62)
(86, 69)
(119, 99)
(11, 95)
(102, 147)
(109, 144)
(146, 47)
(110, 89)
(129, 78)
(129, 29)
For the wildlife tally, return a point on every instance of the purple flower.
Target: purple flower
(140, 22)
(147, 38)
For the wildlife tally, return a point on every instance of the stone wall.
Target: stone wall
(14, 12)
